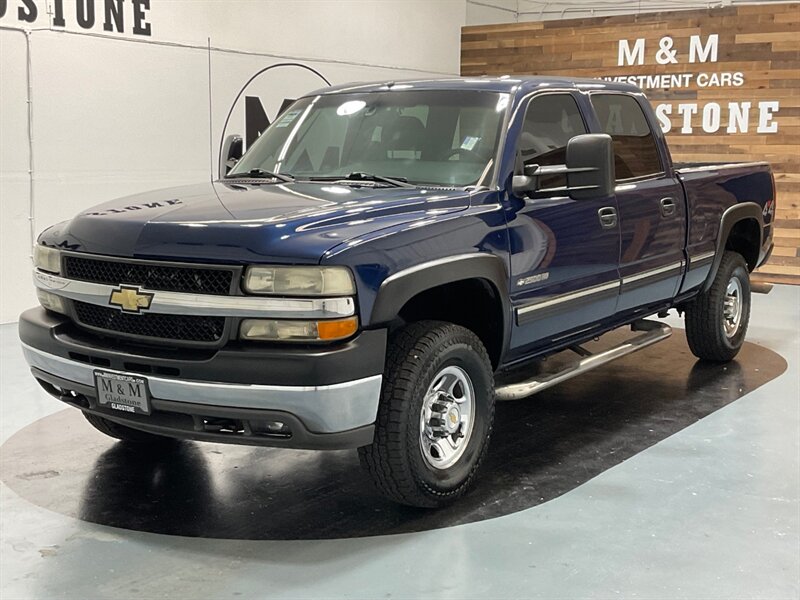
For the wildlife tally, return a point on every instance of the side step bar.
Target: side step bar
(760, 287)
(653, 332)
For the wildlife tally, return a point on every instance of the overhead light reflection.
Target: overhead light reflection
(335, 189)
(350, 108)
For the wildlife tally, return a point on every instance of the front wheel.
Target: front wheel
(716, 321)
(435, 415)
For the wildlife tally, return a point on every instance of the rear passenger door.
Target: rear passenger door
(564, 275)
(652, 211)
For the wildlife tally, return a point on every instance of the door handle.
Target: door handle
(608, 217)
(668, 207)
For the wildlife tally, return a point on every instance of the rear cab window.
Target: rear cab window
(636, 153)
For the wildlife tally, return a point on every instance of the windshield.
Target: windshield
(437, 137)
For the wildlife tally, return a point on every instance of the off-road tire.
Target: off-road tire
(126, 434)
(394, 460)
(705, 329)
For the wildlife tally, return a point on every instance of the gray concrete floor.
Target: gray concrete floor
(710, 512)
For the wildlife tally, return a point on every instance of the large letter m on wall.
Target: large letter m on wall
(626, 56)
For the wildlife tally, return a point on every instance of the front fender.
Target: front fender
(397, 289)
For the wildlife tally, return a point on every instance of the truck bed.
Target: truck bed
(713, 188)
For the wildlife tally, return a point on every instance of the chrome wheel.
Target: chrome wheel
(732, 307)
(447, 417)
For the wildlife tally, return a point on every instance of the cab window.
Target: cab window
(431, 137)
(550, 122)
(635, 149)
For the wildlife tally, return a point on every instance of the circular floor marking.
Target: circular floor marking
(541, 448)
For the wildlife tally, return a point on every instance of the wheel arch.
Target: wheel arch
(404, 294)
(741, 230)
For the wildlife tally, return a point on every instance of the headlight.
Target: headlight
(299, 331)
(299, 281)
(51, 301)
(47, 259)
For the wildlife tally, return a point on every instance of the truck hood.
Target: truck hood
(238, 223)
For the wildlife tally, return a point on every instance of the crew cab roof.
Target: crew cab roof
(505, 84)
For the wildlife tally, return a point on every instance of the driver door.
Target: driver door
(564, 252)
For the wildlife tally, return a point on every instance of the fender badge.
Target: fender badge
(533, 279)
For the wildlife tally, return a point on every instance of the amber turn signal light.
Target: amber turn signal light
(297, 331)
(337, 330)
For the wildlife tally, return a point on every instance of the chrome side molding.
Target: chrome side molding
(652, 273)
(701, 258)
(540, 304)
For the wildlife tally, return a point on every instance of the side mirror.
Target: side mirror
(232, 151)
(522, 185)
(589, 170)
(590, 166)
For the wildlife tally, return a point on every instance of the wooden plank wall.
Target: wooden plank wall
(762, 42)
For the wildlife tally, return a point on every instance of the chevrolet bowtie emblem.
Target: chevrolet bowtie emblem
(130, 299)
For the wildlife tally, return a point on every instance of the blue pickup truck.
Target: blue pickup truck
(386, 261)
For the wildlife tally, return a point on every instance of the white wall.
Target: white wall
(487, 12)
(484, 12)
(117, 113)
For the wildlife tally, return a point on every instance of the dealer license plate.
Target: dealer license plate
(124, 393)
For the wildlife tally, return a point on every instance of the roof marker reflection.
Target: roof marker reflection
(502, 102)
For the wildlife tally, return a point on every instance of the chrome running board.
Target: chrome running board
(760, 287)
(653, 332)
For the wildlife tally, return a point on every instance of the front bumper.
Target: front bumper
(328, 397)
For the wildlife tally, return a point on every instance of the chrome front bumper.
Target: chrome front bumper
(322, 409)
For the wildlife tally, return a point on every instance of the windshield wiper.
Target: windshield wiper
(261, 174)
(361, 176)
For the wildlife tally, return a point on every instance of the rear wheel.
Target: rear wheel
(126, 434)
(717, 320)
(435, 415)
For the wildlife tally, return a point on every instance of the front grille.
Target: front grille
(153, 325)
(196, 280)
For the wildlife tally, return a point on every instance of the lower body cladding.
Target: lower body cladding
(312, 398)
